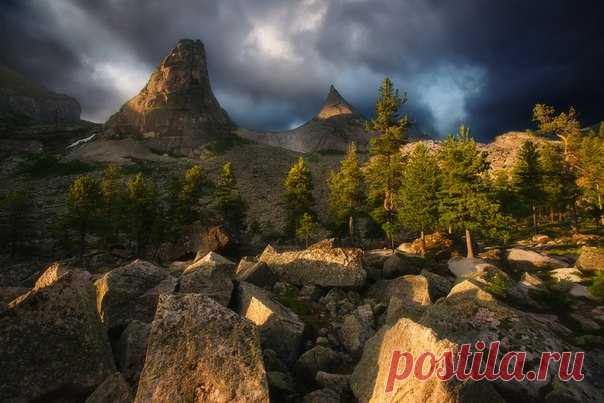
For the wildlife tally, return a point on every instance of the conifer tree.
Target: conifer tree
(590, 169)
(298, 194)
(527, 178)
(346, 195)
(306, 228)
(564, 125)
(184, 199)
(112, 205)
(143, 211)
(418, 195)
(83, 207)
(228, 200)
(567, 128)
(559, 182)
(15, 209)
(465, 201)
(383, 174)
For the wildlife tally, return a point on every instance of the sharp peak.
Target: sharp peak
(335, 104)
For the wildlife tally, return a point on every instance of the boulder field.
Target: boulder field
(313, 325)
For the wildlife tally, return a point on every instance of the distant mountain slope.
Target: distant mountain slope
(23, 100)
(335, 126)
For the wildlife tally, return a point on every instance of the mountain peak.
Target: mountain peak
(177, 109)
(335, 105)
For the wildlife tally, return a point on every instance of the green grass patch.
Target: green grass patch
(498, 285)
(219, 147)
(43, 165)
(331, 151)
(137, 166)
(555, 299)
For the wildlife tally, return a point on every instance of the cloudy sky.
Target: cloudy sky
(482, 62)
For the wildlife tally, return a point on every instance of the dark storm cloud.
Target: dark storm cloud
(271, 61)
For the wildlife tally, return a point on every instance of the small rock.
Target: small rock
(130, 350)
(258, 274)
(465, 267)
(316, 359)
(541, 239)
(530, 281)
(338, 382)
(397, 265)
(585, 322)
(323, 396)
(570, 275)
(113, 390)
(522, 259)
(591, 259)
(356, 329)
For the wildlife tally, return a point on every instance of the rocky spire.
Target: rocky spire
(177, 110)
(335, 105)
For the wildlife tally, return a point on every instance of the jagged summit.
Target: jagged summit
(335, 105)
(177, 109)
(335, 126)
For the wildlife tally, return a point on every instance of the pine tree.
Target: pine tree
(346, 195)
(15, 209)
(465, 201)
(527, 178)
(298, 194)
(228, 200)
(112, 205)
(383, 175)
(306, 228)
(418, 195)
(564, 125)
(567, 128)
(83, 207)
(559, 181)
(184, 199)
(143, 212)
(590, 169)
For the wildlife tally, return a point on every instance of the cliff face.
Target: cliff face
(335, 126)
(23, 100)
(177, 110)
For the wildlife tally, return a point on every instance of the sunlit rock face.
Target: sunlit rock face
(335, 126)
(280, 329)
(177, 110)
(335, 105)
(200, 351)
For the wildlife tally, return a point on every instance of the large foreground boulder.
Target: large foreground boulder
(130, 293)
(468, 315)
(199, 351)
(522, 259)
(280, 329)
(591, 259)
(53, 343)
(211, 276)
(322, 264)
(370, 377)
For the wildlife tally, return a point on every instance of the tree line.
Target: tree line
(453, 188)
(131, 211)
